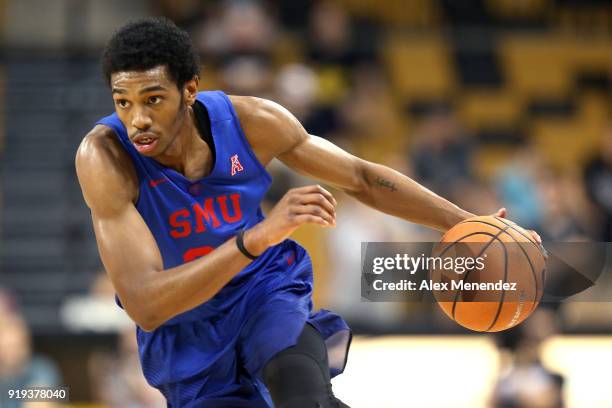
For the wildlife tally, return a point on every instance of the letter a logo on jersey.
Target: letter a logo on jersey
(236, 166)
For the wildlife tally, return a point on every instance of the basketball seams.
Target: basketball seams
(530, 239)
(450, 245)
(500, 303)
(533, 272)
(540, 248)
(493, 237)
(471, 234)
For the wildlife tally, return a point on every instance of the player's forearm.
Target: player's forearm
(394, 193)
(176, 290)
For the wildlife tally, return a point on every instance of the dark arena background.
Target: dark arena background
(486, 102)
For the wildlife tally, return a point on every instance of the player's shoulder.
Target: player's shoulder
(262, 115)
(100, 146)
(244, 104)
(103, 165)
(270, 128)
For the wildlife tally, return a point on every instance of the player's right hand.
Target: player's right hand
(303, 205)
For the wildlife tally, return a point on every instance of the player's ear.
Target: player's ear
(190, 90)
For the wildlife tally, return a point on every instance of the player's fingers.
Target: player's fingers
(320, 200)
(315, 210)
(502, 212)
(536, 236)
(327, 195)
(311, 219)
(316, 188)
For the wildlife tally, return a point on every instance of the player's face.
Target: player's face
(151, 108)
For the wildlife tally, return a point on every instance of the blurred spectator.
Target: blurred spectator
(297, 88)
(528, 384)
(96, 311)
(517, 186)
(20, 367)
(373, 122)
(563, 219)
(598, 181)
(442, 152)
(7, 303)
(336, 39)
(237, 28)
(524, 382)
(536, 197)
(475, 196)
(247, 75)
(330, 35)
(118, 377)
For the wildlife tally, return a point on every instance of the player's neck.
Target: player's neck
(188, 154)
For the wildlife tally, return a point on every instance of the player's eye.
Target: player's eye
(154, 100)
(122, 103)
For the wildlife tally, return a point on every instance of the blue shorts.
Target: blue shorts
(212, 356)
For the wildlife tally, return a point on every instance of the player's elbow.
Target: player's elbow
(148, 326)
(145, 319)
(360, 187)
(143, 311)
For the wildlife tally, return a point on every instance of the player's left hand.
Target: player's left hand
(502, 212)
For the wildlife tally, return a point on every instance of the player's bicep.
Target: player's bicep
(128, 251)
(318, 158)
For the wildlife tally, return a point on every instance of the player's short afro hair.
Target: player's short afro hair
(146, 43)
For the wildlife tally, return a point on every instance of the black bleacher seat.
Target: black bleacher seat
(48, 250)
(551, 108)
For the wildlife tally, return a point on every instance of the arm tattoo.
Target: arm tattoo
(383, 183)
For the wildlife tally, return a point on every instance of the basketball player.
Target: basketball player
(174, 180)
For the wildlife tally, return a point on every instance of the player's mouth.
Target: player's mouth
(145, 143)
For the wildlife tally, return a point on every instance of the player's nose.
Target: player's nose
(141, 120)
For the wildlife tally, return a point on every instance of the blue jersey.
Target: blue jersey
(215, 352)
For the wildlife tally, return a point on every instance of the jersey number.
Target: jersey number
(194, 253)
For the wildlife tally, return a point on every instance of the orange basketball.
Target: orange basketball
(501, 285)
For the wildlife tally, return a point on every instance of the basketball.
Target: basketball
(498, 276)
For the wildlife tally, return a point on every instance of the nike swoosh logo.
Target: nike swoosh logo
(155, 183)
